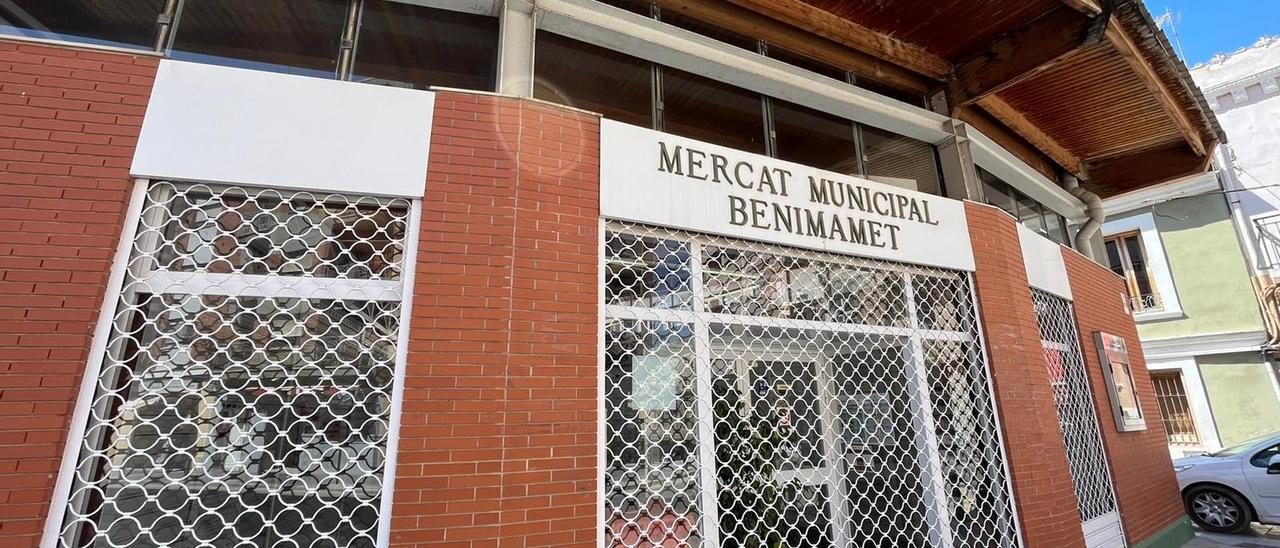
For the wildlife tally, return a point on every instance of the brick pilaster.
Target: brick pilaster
(498, 443)
(1033, 441)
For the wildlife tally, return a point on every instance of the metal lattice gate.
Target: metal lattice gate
(244, 398)
(1078, 420)
(757, 395)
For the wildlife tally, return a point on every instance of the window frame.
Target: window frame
(762, 49)
(1160, 273)
(122, 270)
(1191, 420)
(1130, 273)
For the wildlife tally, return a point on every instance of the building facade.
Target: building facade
(1206, 311)
(572, 273)
(1198, 314)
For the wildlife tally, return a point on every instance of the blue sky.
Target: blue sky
(1207, 27)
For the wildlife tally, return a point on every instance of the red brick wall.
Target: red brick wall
(69, 119)
(498, 437)
(1140, 464)
(1037, 456)
(498, 433)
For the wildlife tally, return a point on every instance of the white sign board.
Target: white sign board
(217, 124)
(647, 176)
(1046, 269)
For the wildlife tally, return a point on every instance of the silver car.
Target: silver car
(1226, 490)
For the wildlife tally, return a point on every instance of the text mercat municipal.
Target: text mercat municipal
(782, 217)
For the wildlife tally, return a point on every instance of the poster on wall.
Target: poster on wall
(1121, 388)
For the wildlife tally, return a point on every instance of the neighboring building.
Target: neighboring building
(1201, 256)
(1199, 318)
(579, 273)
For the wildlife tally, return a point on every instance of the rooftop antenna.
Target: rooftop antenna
(1172, 20)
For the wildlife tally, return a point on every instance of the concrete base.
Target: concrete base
(1172, 536)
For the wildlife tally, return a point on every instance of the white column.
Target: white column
(710, 519)
(515, 48)
(928, 454)
(959, 175)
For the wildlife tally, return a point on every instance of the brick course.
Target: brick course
(69, 119)
(498, 438)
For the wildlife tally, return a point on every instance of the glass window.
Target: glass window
(996, 192)
(581, 75)
(814, 138)
(1127, 258)
(258, 408)
(412, 46)
(1263, 458)
(801, 361)
(908, 97)
(291, 36)
(102, 22)
(1029, 213)
(1175, 411)
(1056, 227)
(899, 161)
(707, 110)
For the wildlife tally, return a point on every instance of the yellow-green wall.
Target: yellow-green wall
(1208, 269)
(1242, 395)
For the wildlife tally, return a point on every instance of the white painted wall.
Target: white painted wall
(227, 125)
(1249, 157)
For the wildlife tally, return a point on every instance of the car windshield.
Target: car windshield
(1242, 446)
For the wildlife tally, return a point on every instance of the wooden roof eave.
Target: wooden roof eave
(1053, 36)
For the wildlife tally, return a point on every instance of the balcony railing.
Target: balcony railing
(1146, 303)
(1268, 234)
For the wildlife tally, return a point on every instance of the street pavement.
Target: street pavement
(1260, 536)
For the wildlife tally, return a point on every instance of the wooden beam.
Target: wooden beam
(1018, 55)
(749, 23)
(1089, 7)
(1015, 121)
(843, 31)
(1132, 55)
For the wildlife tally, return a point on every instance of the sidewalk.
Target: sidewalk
(1261, 536)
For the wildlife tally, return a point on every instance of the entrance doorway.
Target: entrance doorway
(835, 430)
(758, 395)
(1078, 421)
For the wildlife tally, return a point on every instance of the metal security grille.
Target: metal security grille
(1076, 414)
(758, 396)
(245, 395)
(1175, 411)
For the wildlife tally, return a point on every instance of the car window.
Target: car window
(1242, 446)
(1264, 456)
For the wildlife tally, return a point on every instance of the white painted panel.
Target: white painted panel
(1104, 531)
(228, 125)
(704, 195)
(1046, 269)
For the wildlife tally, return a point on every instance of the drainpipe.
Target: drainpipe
(1093, 207)
(1264, 286)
